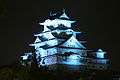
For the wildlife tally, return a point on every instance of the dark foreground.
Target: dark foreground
(18, 72)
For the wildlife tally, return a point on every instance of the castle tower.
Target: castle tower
(59, 46)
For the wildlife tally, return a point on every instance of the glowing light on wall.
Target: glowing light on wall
(74, 56)
(72, 60)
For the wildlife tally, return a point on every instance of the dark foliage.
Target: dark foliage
(19, 72)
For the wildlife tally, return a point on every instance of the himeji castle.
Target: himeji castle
(57, 45)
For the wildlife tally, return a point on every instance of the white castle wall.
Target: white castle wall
(49, 60)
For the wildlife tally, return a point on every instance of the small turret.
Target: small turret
(100, 53)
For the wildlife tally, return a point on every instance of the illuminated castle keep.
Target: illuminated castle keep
(58, 45)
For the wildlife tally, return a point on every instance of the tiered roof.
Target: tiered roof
(50, 40)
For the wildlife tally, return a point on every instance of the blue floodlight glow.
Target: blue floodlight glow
(72, 62)
(104, 61)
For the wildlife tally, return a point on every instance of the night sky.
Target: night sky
(98, 18)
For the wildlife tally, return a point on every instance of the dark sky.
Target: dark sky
(98, 18)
